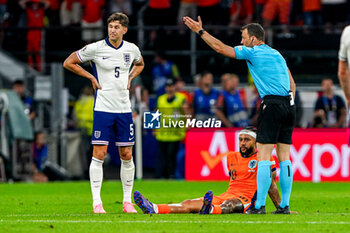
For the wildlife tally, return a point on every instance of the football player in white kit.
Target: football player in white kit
(344, 63)
(111, 60)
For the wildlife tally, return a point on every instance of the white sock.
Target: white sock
(127, 173)
(96, 176)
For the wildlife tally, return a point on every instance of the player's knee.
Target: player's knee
(99, 154)
(125, 154)
(185, 202)
(186, 206)
(232, 206)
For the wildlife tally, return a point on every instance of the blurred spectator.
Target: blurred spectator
(136, 7)
(163, 70)
(254, 113)
(205, 97)
(296, 15)
(334, 13)
(241, 12)
(92, 23)
(3, 9)
(53, 13)
(40, 155)
(83, 111)
(123, 6)
(158, 13)
(197, 80)
(180, 87)
(224, 78)
(209, 11)
(139, 99)
(258, 10)
(3, 12)
(225, 11)
(35, 19)
(171, 104)
(186, 8)
(70, 13)
(280, 8)
(29, 105)
(312, 13)
(330, 109)
(230, 109)
(299, 109)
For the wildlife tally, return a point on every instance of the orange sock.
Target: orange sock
(217, 209)
(163, 209)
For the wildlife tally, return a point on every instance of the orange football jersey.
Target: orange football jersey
(243, 172)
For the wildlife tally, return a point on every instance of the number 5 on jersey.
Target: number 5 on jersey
(116, 70)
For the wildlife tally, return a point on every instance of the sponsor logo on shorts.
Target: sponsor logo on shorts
(97, 133)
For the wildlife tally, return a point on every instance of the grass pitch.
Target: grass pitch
(66, 207)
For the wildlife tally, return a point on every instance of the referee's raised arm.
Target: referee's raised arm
(214, 43)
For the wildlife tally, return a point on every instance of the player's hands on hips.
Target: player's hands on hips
(129, 84)
(192, 24)
(95, 84)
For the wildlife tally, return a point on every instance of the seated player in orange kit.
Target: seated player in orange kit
(239, 196)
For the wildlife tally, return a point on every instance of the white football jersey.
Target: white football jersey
(111, 67)
(344, 51)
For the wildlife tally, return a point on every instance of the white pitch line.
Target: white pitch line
(91, 214)
(169, 221)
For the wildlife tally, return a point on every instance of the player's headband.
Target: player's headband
(247, 132)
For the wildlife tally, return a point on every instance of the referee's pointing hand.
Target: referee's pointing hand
(192, 24)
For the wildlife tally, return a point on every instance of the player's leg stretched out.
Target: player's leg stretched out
(147, 207)
(229, 206)
(200, 206)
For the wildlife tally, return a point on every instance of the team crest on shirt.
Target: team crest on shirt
(252, 164)
(97, 134)
(126, 58)
(83, 49)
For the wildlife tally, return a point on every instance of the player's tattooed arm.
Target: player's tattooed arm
(135, 71)
(273, 191)
(72, 63)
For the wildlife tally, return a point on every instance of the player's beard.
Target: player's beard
(247, 152)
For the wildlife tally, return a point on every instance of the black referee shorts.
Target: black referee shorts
(276, 120)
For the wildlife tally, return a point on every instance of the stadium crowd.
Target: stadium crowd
(224, 101)
(83, 21)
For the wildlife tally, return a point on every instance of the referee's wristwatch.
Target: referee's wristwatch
(200, 32)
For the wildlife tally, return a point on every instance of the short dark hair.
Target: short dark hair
(205, 72)
(251, 128)
(255, 29)
(18, 82)
(118, 16)
(327, 78)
